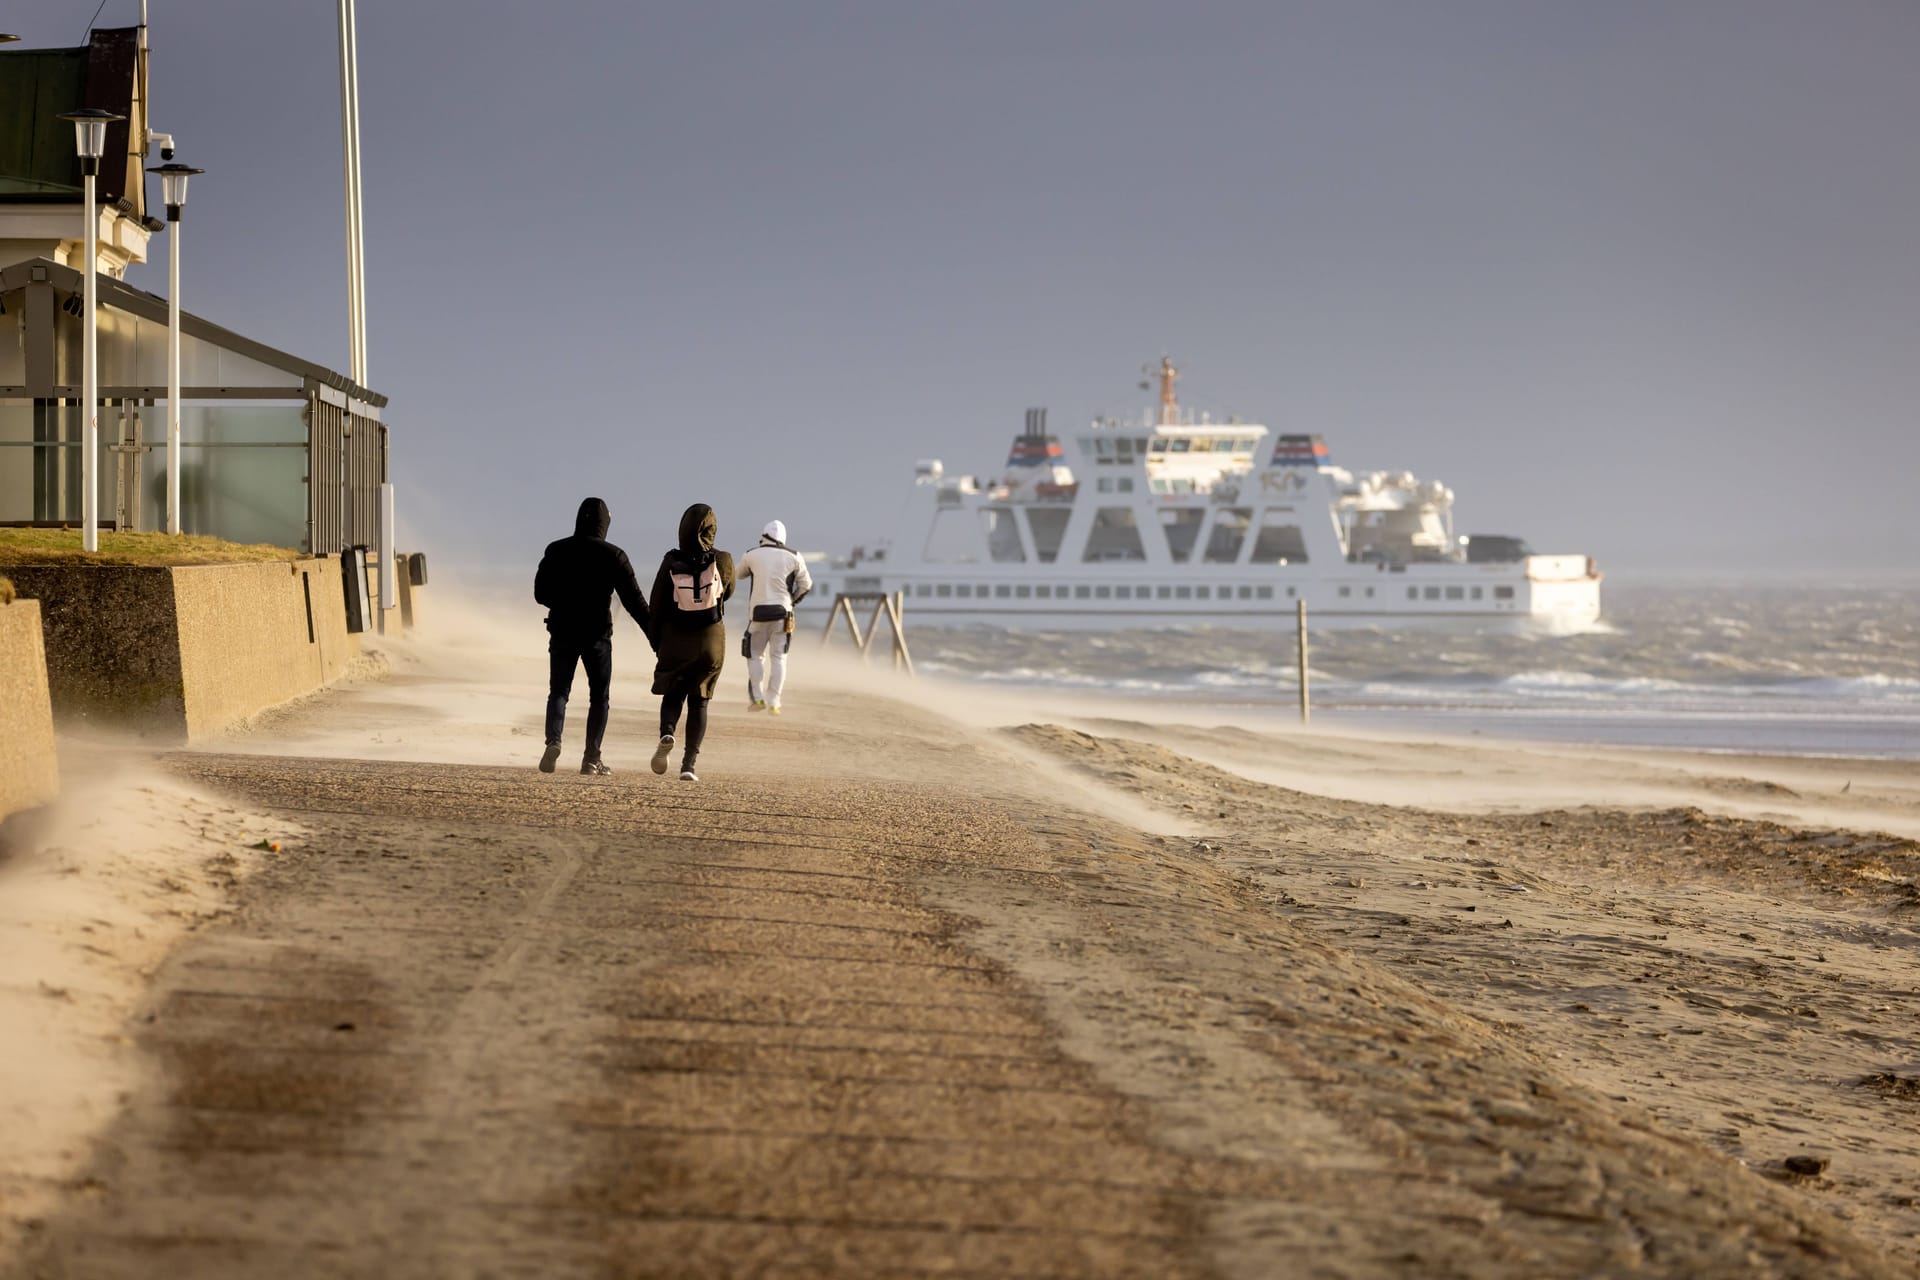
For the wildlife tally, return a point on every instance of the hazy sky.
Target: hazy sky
(1640, 280)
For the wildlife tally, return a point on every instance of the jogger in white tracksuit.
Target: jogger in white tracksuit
(780, 581)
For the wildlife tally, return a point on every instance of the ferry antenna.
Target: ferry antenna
(1169, 405)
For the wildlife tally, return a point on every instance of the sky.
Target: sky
(1637, 279)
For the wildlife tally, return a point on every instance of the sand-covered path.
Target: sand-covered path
(882, 996)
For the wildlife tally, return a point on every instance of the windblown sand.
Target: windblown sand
(894, 991)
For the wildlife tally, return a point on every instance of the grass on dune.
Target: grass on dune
(62, 546)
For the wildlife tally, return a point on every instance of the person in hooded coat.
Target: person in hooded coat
(689, 593)
(577, 580)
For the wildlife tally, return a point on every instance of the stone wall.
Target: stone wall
(29, 773)
(184, 653)
(256, 635)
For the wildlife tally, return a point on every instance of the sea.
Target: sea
(1797, 668)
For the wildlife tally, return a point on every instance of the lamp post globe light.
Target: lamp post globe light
(173, 189)
(90, 140)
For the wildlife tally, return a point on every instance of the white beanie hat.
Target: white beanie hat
(775, 530)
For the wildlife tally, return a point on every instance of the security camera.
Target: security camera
(164, 141)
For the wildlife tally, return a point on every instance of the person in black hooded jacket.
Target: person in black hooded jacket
(577, 580)
(689, 592)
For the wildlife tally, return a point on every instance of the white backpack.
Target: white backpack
(696, 596)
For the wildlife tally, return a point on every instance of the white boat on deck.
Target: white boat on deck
(1172, 521)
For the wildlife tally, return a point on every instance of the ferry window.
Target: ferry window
(1043, 592)
(1156, 486)
(1023, 591)
(1246, 593)
(1433, 593)
(1182, 484)
(1180, 444)
(1126, 484)
(1123, 447)
(945, 589)
(1345, 592)
(1106, 484)
(1003, 535)
(1182, 527)
(1165, 593)
(1477, 593)
(1503, 593)
(981, 591)
(1413, 593)
(1223, 446)
(1114, 536)
(1280, 540)
(1184, 593)
(964, 590)
(1289, 593)
(1081, 593)
(1202, 592)
(1003, 591)
(1141, 444)
(1229, 535)
(1049, 528)
(1103, 593)
(1124, 593)
(924, 589)
(1456, 593)
(1103, 447)
(1369, 593)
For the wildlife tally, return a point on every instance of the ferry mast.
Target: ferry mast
(1169, 406)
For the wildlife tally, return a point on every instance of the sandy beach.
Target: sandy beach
(921, 980)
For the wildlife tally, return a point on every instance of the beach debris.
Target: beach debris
(1203, 846)
(271, 846)
(1848, 787)
(1807, 1166)
(1889, 1085)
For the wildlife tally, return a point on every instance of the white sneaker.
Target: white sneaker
(773, 710)
(687, 774)
(661, 752)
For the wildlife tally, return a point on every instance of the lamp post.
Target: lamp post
(173, 188)
(90, 139)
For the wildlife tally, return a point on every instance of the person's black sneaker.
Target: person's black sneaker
(687, 774)
(596, 767)
(661, 752)
(547, 757)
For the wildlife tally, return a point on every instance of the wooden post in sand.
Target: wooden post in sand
(885, 606)
(1300, 613)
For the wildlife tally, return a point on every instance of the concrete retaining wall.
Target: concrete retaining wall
(183, 653)
(29, 773)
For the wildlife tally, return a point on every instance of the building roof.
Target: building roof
(37, 160)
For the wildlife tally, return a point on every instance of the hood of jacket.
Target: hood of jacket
(774, 535)
(698, 529)
(594, 519)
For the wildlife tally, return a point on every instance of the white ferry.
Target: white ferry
(1188, 521)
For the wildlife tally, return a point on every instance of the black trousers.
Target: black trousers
(596, 655)
(687, 696)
